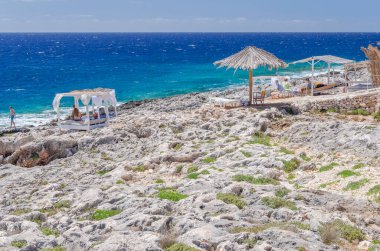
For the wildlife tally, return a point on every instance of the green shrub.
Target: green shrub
(205, 172)
(333, 110)
(159, 181)
(253, 180)
(193, 176)
(261, 139)
(304, 157)
(102, 172)
(178, 146)
(19, 244)
(348, 173)
(192, 169)
(57, 248)
(139, 168)
(246, 154)
(178, 169)
(291, 165)
(104, 214)
(275, 202)
(119, 182)
(285, 150)
(282, 192)
(356, 184)
(374, 191)
(209, 160)
(291, 176)
(359, 112)
(230, 198)
(376, 116)
(180, 247)
(21, 211)
(349, 232)
(328, 167)
(262, 227)
(170, 194)
(49, 231)
(62, 204)
(324, 185)
(358, 166)
(250, 243)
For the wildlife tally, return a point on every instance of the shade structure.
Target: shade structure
(251, 58)
(329, 59)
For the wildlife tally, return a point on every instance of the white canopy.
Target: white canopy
(327, 58)
(98, 96)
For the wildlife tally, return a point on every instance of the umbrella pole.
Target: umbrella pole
(250, 86)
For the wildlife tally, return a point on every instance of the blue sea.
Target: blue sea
(36, 66)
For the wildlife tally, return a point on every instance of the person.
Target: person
(286, 85)
(308, 84)
(12, 115)
(76, 115)
(95, 115)
(279, 86)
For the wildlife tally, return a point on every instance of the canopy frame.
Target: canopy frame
(329, 59)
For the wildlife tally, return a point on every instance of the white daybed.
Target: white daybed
(97, 98)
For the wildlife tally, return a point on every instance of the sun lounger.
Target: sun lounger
(224, 102)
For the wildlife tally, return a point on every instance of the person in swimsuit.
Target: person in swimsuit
(76, 115)
(12, 115)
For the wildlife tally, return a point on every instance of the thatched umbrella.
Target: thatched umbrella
(249, 59)
(373, 54)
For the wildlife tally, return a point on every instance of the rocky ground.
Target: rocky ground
(180, 174)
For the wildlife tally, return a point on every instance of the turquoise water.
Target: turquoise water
(34, 67)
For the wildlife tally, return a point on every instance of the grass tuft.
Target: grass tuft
(285, 150)
(260, 139)
(57, 248)
(293, 226)
(374, 191)
(359, 112)
(192, 169)
(246, 154)
(304, 157)
(170, 194)
(193, 176)
(328, 167)
(159, 181)
(180, 247)
(275, 202)
(119, 182)
(209, 160)
(358, 166)
(230, 198)
(19, 244)
(104, 214)
(291, 165)
(139, 168)
(281, 192)
(253, 180)
(50, 231)
(356, 184)
(348, 173)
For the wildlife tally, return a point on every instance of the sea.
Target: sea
(36, 66)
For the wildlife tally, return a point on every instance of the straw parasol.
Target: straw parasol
(373, 54)
(251, 58)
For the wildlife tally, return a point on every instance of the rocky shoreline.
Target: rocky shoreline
(180, 174)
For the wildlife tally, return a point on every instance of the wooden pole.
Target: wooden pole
(250, 85)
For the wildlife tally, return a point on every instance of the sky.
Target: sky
(189, 16)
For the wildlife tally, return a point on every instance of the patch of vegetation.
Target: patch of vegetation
(329, 233)
(253, 180)
(192, 169)
(204, 172)
(178, 169)
(193, 176)
(358, 166)
(178, 146)
(376, 116)
(348, 173)
(104, 214)
(19, 244)
(333, 110)
(230, 198)
(348, 232)
(324, 185)
(261, 139)
(374, 191)
(102, 172)
(209, 160)
(57, 248)
(232, 138)
(62, 204)
(139, 168)
(285, 150)
(21, 211)
(170, 194)
(120, 182)
(180, 247)
(275, 202)
(376, 242)
(291, 165)
(328, 167)
(216, 169)
(293, 226)
(250, 243)
(104, 156)
(159, 181)
(246, 154)
(281, 192)
(50, 231)
(304, 157)
(359, 112)
(356, 184)
(291, 176)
